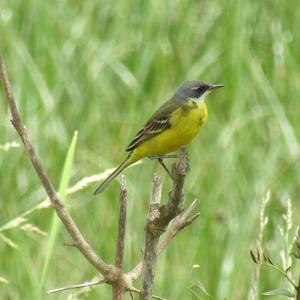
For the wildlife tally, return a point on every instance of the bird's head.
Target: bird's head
(195, 89)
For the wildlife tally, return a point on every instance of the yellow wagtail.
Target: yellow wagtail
(173, 125)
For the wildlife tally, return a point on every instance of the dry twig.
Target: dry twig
(121, 285)
(151, 240)
(122, 225)
(76, 286)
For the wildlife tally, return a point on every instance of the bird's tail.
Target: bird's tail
(128, 161)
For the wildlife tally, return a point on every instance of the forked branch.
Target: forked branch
(159, 216)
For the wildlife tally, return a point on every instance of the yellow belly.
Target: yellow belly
(185, 126)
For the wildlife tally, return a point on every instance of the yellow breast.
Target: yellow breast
(186, 124)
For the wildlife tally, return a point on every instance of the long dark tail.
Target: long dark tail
(113, 175)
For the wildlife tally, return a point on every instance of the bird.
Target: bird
(173, 125)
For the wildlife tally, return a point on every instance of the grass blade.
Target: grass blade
(64, 184)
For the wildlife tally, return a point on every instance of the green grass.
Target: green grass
(62, 191)
(102, 68)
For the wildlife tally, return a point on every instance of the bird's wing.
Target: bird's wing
(158, 123)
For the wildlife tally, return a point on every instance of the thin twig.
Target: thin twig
(120, 286)
(63, 214)
(77, 286)
(122, 225)
(134, 290)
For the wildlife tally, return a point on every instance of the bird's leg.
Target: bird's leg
(160, 160)
(163, 156)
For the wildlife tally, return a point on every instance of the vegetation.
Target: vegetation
(101, 68)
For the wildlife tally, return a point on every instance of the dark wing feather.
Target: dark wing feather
(158, 123)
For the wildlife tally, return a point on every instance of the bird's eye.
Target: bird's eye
(200, 89)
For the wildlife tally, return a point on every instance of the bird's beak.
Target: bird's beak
(215, 86)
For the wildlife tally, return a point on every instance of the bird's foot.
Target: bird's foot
(160, 160)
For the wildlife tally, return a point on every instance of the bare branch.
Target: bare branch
(156, 192)
(158, 219)
(174, 206)
(77, 286)
(159, 216)
(122, 224)
(84, 247)
(180, 222)
(151, 239)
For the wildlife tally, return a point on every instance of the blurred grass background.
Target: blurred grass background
(102, 68)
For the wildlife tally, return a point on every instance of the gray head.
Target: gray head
(195, 89)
